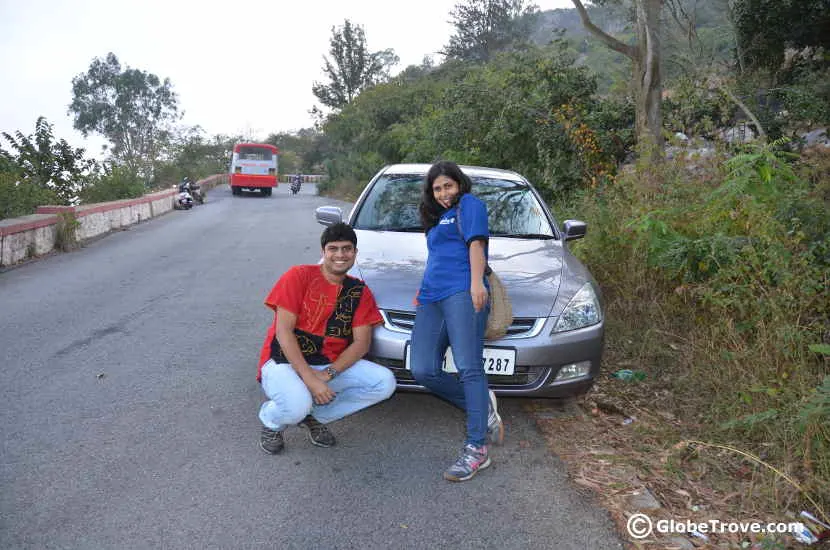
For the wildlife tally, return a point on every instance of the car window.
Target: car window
(513, 210)
(392, 205)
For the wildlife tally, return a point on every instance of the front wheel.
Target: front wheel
(266, 191)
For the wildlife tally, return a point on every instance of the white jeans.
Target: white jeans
(289, 401)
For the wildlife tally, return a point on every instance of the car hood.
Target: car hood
(392, 265)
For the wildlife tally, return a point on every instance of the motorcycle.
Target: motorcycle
(184, 200)
(194, 189)
(295, 185)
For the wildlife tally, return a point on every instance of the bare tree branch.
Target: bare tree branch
(607, 39)
(761, 133)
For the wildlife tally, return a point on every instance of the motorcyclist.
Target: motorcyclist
(185, 199)
(193, 188)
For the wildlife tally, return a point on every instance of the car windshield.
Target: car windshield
(514, 211)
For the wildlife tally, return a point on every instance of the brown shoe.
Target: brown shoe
(271, 441)
(318, 434)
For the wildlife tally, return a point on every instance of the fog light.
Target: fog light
(574, 370)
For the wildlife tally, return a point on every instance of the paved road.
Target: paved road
(128, 407)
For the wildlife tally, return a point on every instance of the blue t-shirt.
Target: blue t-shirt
(448, 262)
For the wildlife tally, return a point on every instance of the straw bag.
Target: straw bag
(501, 311)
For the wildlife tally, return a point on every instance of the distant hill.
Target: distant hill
(613, 70)
(607, 18)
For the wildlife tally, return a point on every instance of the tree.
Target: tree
(352, 67)
(766, 28)
(645, 56)
(705, 58)
(484, 27)
(47, 163)
(129, 107)
(189, 152)
(296, 150)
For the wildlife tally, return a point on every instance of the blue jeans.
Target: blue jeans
(453, 322)
(289, 401)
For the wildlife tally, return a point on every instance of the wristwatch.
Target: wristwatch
(331, 372)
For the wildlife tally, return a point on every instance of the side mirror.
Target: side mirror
(574, 229)
(328, 215)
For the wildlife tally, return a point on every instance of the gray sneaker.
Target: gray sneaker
(472, 460)
(495, 427)
(271, 441)
(318, 434)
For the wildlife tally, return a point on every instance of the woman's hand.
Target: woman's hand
(479, 293)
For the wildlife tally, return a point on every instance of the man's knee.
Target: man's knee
(297, 407)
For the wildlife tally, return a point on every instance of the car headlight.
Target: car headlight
(582, 311)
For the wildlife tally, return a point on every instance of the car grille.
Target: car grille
(405, 320)
(523, 376)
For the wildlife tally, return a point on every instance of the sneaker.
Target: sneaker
(495, 427)
(271, 441)
(472, 460)
(318, 434)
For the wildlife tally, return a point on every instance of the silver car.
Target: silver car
(554, 346)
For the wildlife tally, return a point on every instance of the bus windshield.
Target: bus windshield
(250, 152)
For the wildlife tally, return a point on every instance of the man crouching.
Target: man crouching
(311, 365)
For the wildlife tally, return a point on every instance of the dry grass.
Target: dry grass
(725, 353)
(619, 443)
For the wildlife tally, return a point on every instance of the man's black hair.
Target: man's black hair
(338, 232)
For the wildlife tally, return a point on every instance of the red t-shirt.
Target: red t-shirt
(326, 314)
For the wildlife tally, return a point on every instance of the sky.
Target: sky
(238, 68)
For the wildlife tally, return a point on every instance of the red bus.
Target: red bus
(254, 167)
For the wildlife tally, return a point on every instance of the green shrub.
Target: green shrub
(694, 110)
(66, 237)
(717, 284)
(20, 197)
(114, 184)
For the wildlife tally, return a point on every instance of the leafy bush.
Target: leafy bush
(503, 114)
(806, 98)
(717, 284)
(20, 197)
(41, 169)
(116, 182)
(694, 110)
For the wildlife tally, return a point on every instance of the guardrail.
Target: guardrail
(40, 233)
(307, 178)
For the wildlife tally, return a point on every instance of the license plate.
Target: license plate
(496, 361)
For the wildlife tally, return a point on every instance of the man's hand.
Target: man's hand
(479, 293)
(317, 384)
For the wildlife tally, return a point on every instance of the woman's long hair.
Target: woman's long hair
(429, 208)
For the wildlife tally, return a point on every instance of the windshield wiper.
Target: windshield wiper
(523, 235)
(409, 229)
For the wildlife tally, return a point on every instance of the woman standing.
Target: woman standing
(452, 311)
